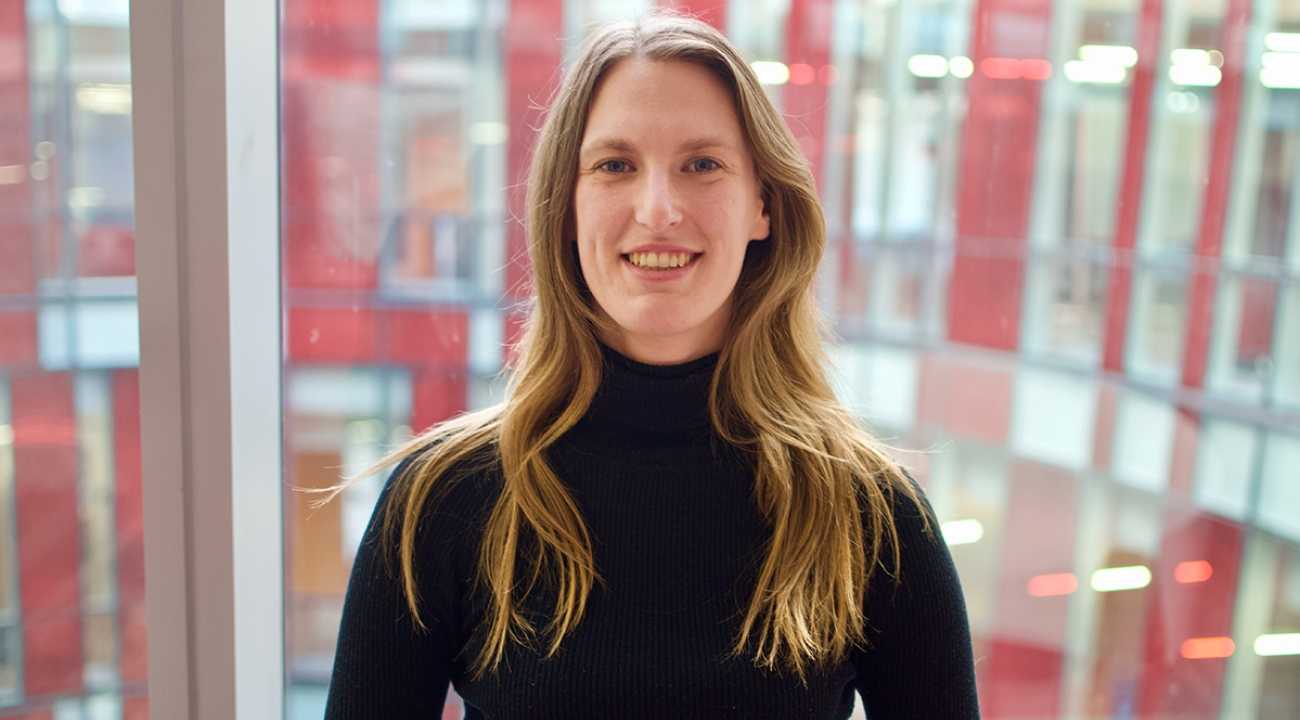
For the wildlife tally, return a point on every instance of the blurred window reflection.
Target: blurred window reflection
(1063, 264)
(72, 625)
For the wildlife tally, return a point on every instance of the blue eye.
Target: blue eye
(614, 166)
(712, 164)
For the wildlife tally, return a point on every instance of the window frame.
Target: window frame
(205, 122)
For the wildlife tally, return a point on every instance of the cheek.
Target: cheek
(591, 216)
(721, 219)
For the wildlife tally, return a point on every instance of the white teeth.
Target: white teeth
(659, 260)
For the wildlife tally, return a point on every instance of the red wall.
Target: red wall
(1132, 180)
(996, 171)
(17, 242)
(49, 537)
(129, 520)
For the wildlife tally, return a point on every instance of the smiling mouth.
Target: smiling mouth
(661, 260)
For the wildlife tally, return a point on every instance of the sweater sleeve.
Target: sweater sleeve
(919, 661)
(385, 667)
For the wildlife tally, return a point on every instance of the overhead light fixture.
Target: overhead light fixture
(1085, 71)
(1205, 648)
(1282, 42)
(770, 72)
(1053, 584)
(928, 66)
(961, 67)
(1121, 55)
(962, 532)
(1193, 571)
(1196, 75)
(1114, 579)
(1278, 644)
(1280, 70)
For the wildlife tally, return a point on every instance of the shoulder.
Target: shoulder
(924, 566)
(906, 499)
(915, 525)
(911, 506)
(462, 483)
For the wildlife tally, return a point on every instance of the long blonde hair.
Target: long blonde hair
(823, 484)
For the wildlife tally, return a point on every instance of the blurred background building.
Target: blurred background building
(1064, 267)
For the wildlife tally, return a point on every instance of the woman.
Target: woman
(670, 515)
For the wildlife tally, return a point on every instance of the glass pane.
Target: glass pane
(1085, 119)
(1278, 677)
(72, 565)
(898, 292)
(397, 140)
(1159, 317)
(1034, 302)
(9, 664)
(10, 650)
(1242, 347)
(1264, 213)
(1226, 453)
(1064, 303)
(1187, 94)
(1287, 370)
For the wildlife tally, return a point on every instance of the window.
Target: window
(72, 610)
(1063, 264)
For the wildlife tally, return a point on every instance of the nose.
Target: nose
(656, 207)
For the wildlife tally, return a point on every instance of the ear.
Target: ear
(762, 224)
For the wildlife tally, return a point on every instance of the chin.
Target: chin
(651, 329)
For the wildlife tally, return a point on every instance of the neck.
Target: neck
(654, 398)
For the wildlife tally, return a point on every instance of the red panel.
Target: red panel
(995, 182)
(1103, 433)
(105, 251)
(1172, 686)
(1129, 201)
(1182, 457)
(16, 237)
(334, 40)
(1023, 678)
(966, 398)
(808, 51)
(425, 337)
(712, 11)
(439, 394)
(369, 336)
(1227, 105)
(27, 714)
(331, 142)
(533, 51)
(1017, 675)
(19, 332)
(331, 335)
(49, 543)
(129, 519)
(1258, 306)
(135, 708)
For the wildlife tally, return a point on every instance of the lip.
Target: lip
(661, 248)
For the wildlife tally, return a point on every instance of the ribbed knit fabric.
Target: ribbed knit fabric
(677, 540)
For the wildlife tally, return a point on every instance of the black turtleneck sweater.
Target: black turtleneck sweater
(677, 538)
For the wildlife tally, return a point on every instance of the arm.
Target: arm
(919, 663)
(384, 667)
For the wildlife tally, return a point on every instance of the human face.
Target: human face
(664, 161)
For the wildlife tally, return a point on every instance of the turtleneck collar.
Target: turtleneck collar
(659, 399)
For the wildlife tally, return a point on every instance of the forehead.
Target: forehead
(661, 102)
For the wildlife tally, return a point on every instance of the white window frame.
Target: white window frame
(205, 92)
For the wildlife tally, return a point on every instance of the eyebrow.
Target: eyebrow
(624, 145)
